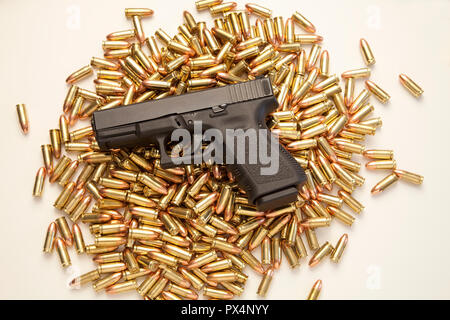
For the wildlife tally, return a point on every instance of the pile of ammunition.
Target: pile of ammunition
(191, 228)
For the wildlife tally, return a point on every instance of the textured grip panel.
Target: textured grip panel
(290, 175)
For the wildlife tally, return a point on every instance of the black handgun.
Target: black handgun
(237, 106)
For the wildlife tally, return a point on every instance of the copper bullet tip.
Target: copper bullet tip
(313, 262)
(375, 190)
(260, 269)
(318, 285)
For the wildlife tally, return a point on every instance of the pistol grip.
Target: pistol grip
(274, 190)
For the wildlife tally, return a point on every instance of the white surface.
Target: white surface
(397, 247)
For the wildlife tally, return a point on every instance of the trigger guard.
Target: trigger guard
(165, 161)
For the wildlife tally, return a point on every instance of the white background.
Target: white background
(398, 247)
